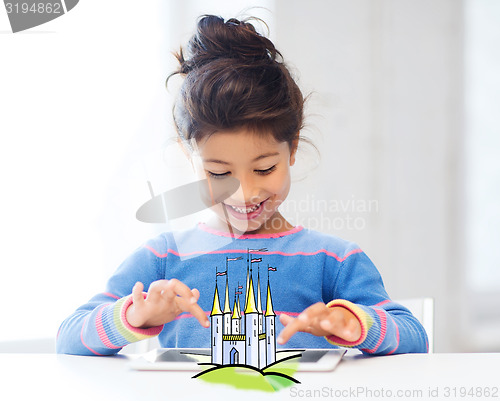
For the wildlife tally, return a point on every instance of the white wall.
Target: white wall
(81, 98)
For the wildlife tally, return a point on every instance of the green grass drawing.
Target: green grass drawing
(272, 378)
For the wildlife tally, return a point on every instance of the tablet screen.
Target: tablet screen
(186, 355)
(189, 358)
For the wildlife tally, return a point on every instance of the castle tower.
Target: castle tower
(270, 328)
(227, 312)
(248, 285)
(216, 328)
(251, 328)
(259, 305)
(236, 318)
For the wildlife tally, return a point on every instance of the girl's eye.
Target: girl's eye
(266, 171)
(218, 175)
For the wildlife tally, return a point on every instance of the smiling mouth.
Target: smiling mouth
(246, 210)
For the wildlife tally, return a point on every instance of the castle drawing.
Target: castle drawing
(246, 338)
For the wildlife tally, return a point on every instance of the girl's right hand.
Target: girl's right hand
(165, 300)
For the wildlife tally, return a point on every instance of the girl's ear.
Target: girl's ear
(293, 150)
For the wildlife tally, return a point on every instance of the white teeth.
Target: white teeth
(246, 211)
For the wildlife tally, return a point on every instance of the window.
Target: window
(482, 97)
(67, 138)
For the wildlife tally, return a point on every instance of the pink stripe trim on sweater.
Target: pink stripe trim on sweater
(111, 295)
(101, 331)
(383, 330)
(83, 342)
(171, 251)
(287, 313)
(383, 302)
(210, 230)
(158, 254)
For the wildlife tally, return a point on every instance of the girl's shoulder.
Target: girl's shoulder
(167, 240)
(316, 240)
(188, 242)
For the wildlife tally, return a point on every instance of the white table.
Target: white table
(403, 377)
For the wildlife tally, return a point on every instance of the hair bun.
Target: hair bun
(235, 78)
(231, 39)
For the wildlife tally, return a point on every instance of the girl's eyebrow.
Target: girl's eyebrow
(270, 154)
(215, 161)
(263, 156)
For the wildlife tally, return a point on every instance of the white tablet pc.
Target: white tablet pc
(188, 359)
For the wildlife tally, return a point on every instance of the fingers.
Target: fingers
(179, 296)
(156, 291)
(137, 303)
(292, 326)
(285, 319)
(137, 297)
(309, 321)
(182, 290)
(168, 290)
(188, 301)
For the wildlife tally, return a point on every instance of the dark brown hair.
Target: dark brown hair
(235, 78)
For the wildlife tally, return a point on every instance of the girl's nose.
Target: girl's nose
(247, 193)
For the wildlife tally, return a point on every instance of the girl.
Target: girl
(240, 112)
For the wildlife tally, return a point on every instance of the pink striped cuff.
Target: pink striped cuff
(139, 333)
(360, 315)
(101, 332)
(383, 330)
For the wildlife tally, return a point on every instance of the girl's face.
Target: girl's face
(262, 167)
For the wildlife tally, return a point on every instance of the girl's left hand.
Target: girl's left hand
(321, 320)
